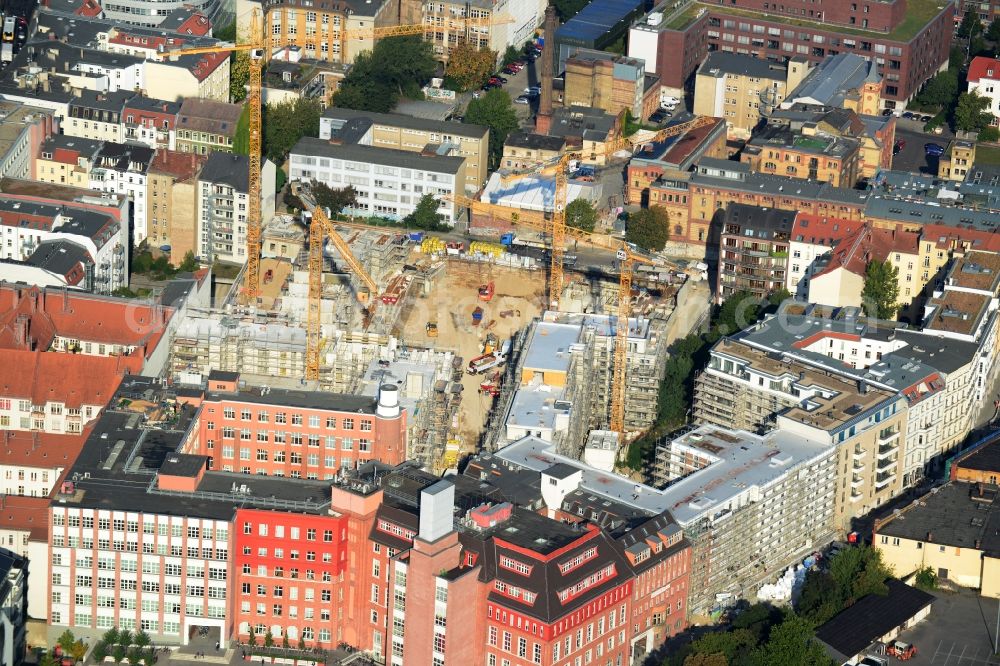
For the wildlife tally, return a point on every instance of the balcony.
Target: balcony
(887, 450)
(857, 482)
(884, 479)
(856, 497)
(858, 466)
(887, 435)
(859, 455)
(886, 463)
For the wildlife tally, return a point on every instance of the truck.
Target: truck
(477, 316)
(494, 359)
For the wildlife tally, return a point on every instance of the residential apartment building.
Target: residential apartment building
(151, 122)
(838, 279)
(912, 40)
(493, 26)
(223, 186)
(179, 78)
(297, 434)
(204, 125)
(935, 382)
(28, 223)
(753, 250)
(524, 150)
(25, 532)
(806, 154)
(23, 131)
(811, 240)
(389, 182)
(610, 82)
(97, 115)
(172, 184)
(67, 160)
(984, 80)
(744, 89)
(740, 502)
(411, 134)
(122, 169)
(13, 607)
(34, 463)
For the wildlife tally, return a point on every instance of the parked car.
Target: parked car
(887, 112)
(926, 119)
(657, 117)
(898, 146)
(933, 149)
(501, 79)
(669, 100)
(522, 100)
(908, 115)
(531, 89)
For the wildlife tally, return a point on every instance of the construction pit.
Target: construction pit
(449, 301)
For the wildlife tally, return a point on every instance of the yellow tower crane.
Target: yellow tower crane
(556, 225)
(257, 48)
(320, 228)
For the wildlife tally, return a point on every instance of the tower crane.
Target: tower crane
(625, 253)
(257, 48)
(320, 227)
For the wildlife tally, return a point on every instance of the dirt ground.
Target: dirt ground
(450, 303)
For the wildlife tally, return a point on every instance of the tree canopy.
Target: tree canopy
(567, 9)
(940, 90)
(852, 574)
(971, 26)
(993, 31)
(880, 295)
(425, 215)
(972, 112)
(469, 67)
(649, 228)
(287, 122)
(396, 67)
(581, 214)
(334, 200)
(495, 111)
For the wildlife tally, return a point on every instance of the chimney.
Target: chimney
(544, 120)
(437, 506)
(388, 401)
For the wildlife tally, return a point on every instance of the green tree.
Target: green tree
(124, 637)
(778, 297)
(567, 9)
(425, 215)
(979, 47)
(142, 639)
(853, 573)
(268, 640)
(469, 67)
(971, 26)
(791, 643)
(284, 639)
(99, 652)
(336, 200)
(940, 90)
(119, 653)
(649, 228)
(226, 33)
(188, 265)
(511, 55)
(989, 134)
(926, 577)
(495, 111)
(241, 141)
(707, 660)
(993, 31)
(287, 122)
(110, 636)
(124, 292)
(149, 656)
(396, 67)
(880, 295)
(581, 214)
(239, 75)
(728, 644)
(78, 650)
(302, 642)
(134, 656)
(66, 640)
(956, 58)
(972, 112)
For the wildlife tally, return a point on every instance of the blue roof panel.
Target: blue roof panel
(596, 19)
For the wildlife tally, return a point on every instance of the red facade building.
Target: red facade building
(298, 434)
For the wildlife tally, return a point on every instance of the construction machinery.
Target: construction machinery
(431, 328)
(320, 229)
(256, 46)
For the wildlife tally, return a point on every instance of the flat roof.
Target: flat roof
(548, 348)
(976, 270)
(334, 113)
(596, 20)
(957, 514)
(530, 193)
(720, 63)
(534, 406)
(308, 145)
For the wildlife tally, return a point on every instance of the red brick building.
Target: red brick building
(299, 434)
(908, 39)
